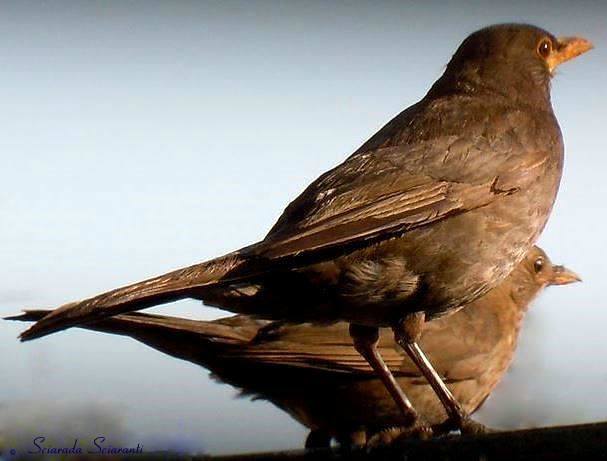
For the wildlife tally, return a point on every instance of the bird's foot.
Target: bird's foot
(465, 425)
(352, 441)
(418, 431)
(470, 427)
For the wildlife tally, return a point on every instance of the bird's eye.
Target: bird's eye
(538, 265)
(544, 48)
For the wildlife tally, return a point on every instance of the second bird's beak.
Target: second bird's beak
(563, 276)
(568, 48)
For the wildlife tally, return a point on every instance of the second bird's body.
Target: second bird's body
(314, 374)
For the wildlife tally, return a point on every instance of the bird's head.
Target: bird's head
(515, 60)
(535, 273)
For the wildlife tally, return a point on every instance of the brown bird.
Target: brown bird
(430, 213)
(315, 375)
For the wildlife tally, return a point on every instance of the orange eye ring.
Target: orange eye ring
(544, 48)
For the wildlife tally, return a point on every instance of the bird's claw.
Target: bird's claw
(465, 425)
(418, 431)
(470, 427)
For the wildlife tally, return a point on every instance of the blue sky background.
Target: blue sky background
(139, 137)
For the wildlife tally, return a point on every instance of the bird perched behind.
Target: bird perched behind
(430, 213)
(315, 375)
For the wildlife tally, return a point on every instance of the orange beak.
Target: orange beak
(567, 49)
(563, 276)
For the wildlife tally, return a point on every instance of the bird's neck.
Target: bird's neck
(520, 89)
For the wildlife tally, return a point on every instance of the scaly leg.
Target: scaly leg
(365, 342)
(406, 334)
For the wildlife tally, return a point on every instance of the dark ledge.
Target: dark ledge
(576, 443)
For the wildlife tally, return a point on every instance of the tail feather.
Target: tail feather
(236, 330)
(29, 315)
(179, 284)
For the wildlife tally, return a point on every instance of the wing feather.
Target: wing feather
(379, 218)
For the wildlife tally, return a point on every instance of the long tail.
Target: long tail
(179, 284)
(235, 330)
(202, 342)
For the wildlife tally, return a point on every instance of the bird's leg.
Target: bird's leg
(365, 342)
(407, 333)
(317, 439)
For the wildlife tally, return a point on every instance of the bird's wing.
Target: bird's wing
(323, 348)
(458, 346)
(330, 349)
(374, 197)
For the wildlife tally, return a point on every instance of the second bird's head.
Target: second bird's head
(535, 273)
(515, 60)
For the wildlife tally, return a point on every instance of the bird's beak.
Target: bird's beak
(567, 48)
(563, 276)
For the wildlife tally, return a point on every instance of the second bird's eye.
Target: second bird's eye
(538, 265)
(544, 48)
